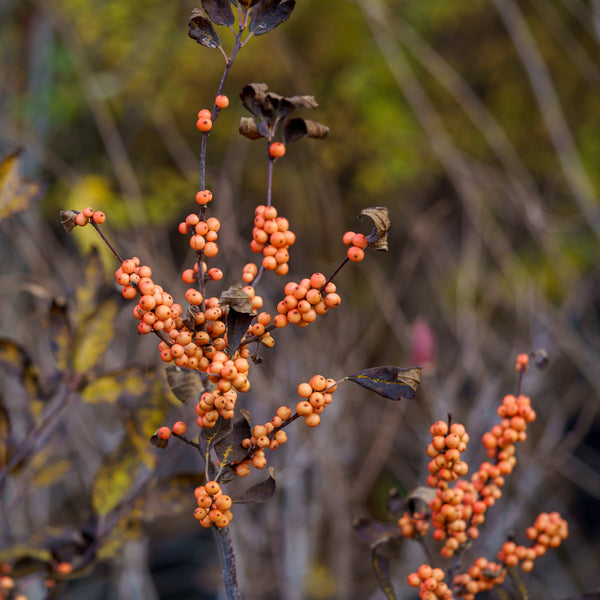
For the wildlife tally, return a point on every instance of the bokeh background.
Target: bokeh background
(476, 123)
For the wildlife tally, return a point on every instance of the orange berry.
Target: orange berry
(223, 502)
(355, 254)
(276, 150)
(204, 197)
(284, 412)
(305, 390)
(204, 124)
(312, 420)
(164, 433)
(318, 280)
(88, 211)
(99, 217)
(205, 114)
(332, 300)
(81, 219)
(304, 408)
(348, 237)
(222, 101)
(211, 249)
(360, 241)
(212, 488)
(179, 428)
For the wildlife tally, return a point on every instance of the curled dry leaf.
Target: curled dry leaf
(236, 298)
(219, 11)
(417, 501)
(269, 14)
(67, 219)
(540, 358)
(380, 216)
(296, 128)
(202, 30)
(249, 129)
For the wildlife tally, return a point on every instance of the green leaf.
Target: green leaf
(202, 30)
(219, 11)
(93, 336)
(117, 385)
(115, 478)
(390, 382)
(16, 193)
(268, 14)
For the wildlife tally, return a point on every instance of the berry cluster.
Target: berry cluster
(357, 242)
(204, 122)
(482, 575)
(270, 435)
(155, 309)
(213, 505)
(515, 413)
(413, 525)
(548, 531)
(83, 218)
(305, 300)
(204, 232)
(430, 582)
(317, 394)
(272, 236)
(445, 449)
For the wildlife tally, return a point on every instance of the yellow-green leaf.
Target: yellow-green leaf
(50, 471)
(87, 290)
(16, 193)
(93, 336)
(115, 478)
(110, 387)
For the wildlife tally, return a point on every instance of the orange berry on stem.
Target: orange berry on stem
(222, 101)
(204, 125)
(81, 219)
(164, 433)
(99, 217)
(179, 428)
(348, 237)
(355, 254)
(276, 150)
(360, 241)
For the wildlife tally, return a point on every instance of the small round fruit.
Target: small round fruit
(99, 217)
(276, 150)
(179, 428)
(222, 101)
(204, 125)
(355, 254)
(164, 433)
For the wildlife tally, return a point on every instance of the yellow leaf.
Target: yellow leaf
(115, 478)
(16, 193)
(93, 336)
(50, 471)
(110, 387)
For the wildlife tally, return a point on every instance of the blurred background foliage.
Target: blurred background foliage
(476, 123)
